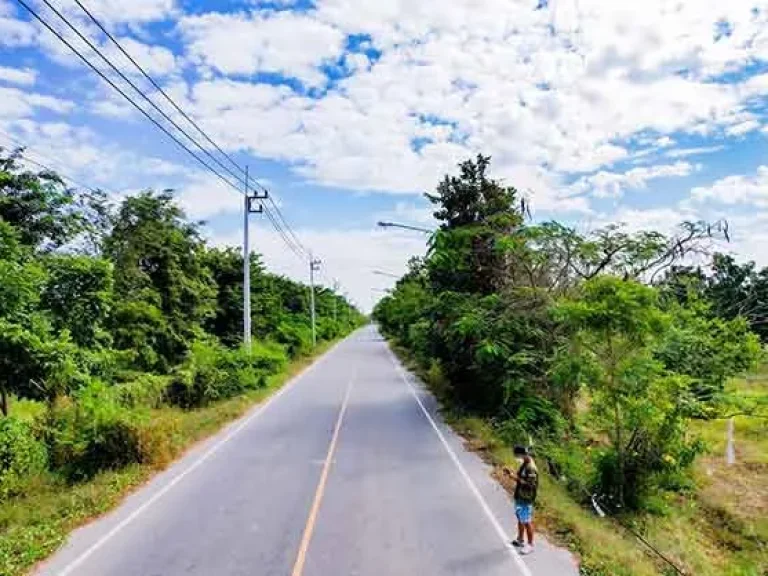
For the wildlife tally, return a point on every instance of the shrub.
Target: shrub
(159, 439)
(569, 462)
(297, 338)
(21, 456)
(146, 390)
(199, 380)
(249, 369)
(91, 433)
(212, 372)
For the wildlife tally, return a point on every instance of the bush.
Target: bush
(21, 456)
(199, 380)
(146, 390)
(92, 433)
(569, 462)
(297, 338)
(212, 372)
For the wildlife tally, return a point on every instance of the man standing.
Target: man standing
(527, 479)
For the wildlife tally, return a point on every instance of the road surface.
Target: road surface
(346, 471)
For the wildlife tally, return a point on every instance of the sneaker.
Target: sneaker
(526, 549)
(518, 543)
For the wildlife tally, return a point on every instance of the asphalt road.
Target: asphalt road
(346, 471)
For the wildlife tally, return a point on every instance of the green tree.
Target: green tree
(163, 290)
(476, 212)
(641, 407)
(78, 294)
(38, 205)
(226, 268)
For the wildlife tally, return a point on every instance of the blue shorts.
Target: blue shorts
(524, 512)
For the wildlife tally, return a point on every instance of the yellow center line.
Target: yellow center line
(298, 567)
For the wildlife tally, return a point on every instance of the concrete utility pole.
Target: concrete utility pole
(251, 205)
(335, 289)
(314, 266)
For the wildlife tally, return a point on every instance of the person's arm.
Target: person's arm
(511, 474)
(528, 479)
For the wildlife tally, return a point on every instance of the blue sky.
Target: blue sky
(645, 113)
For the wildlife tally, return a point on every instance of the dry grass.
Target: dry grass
(728, 515)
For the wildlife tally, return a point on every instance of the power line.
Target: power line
(101, 27)
(157, 86)
(288, 226)
(280, 216)
(138, 90)
(57, 171)
(288, 242)
(123, 94)
(294, 245)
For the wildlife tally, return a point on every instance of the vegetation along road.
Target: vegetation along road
(347, 471)
(622, 357)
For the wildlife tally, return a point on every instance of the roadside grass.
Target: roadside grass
(37, 524)
(720, 528)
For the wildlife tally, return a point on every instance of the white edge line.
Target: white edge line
(257, 411)
(524, 570)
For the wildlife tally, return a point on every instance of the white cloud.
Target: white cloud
(156, 60)
(737, 189)
(410, 213)
(15, 33)
(113, 108)
(493, 76)
(20, 76)
(665, 220)
(612, 184)
(350, 256)
(204, 196)
(111, 12)
(83, 155)
(742, 128)
(282, 42)
(15, 103)
(685, 152)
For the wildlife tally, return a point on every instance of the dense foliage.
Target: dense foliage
(107, 312)
(602, 343)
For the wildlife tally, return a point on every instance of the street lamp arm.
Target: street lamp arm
(405, 226)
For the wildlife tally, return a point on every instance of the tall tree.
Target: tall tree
(39, 205)
(164, 292)
(476, 213)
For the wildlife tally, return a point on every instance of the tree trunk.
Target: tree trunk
(3, 401)
(619, 441)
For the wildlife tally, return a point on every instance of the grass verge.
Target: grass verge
(34, 526)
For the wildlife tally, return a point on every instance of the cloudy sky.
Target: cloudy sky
(601, 111)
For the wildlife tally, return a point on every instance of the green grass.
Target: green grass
(34, 526)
